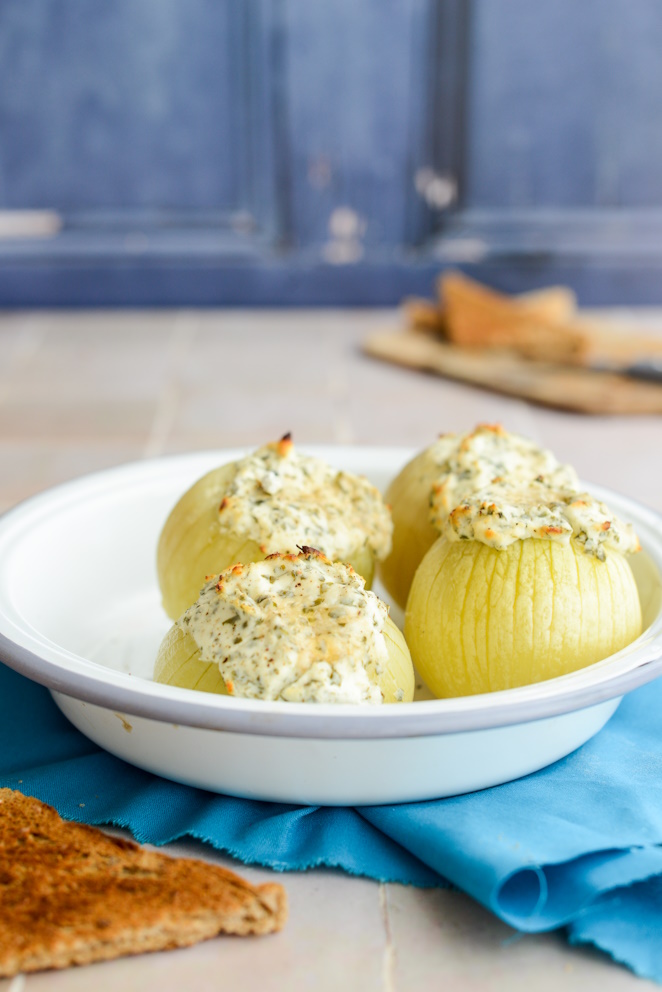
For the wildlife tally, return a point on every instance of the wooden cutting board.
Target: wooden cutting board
(563, 387)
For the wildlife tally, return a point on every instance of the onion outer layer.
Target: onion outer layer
(179, 663)
(413, 534)
(480, 620)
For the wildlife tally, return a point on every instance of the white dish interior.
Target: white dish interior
(80, 612)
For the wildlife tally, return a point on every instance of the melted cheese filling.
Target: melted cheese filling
(293, 627)
(283, 499)
(498, 488)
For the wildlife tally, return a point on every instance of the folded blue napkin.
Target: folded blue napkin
(577, 845)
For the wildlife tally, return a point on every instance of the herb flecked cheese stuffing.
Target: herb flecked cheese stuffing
(284, 498)
(292, 627)
(497, 488)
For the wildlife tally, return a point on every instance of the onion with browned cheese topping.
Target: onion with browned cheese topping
(296, 628)
(273, 500)
(527, 577)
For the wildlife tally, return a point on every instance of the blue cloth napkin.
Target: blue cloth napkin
(577, 845)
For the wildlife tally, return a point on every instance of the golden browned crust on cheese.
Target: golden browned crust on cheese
(71, 894)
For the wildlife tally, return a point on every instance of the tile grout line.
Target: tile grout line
(179, 347)
(28, 342)
(388, 959)
(337, 383)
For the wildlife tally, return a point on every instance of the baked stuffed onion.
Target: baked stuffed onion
(437, 479)
(523, 586)
(272, 500)
(297, 628)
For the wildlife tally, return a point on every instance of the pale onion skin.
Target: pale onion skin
(413, 534)
(479, 620)
(178, 662)
(192, 544)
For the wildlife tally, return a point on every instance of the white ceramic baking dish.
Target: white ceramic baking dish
(80, 613)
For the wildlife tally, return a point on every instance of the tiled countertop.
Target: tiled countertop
(83, 391)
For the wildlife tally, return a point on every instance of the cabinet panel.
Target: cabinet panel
(355, 100)
(564, 104)
(128, 106)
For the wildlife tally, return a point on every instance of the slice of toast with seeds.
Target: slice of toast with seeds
(70, 894)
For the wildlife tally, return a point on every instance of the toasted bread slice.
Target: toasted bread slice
(70, 894)
(536, 325)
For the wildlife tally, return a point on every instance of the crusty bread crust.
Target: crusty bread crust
(70, 894)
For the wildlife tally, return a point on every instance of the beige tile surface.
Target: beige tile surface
(352, 935)
(444, 940)
(83, 391)
(29, 466)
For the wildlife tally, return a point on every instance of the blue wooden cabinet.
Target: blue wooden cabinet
(287, 152)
